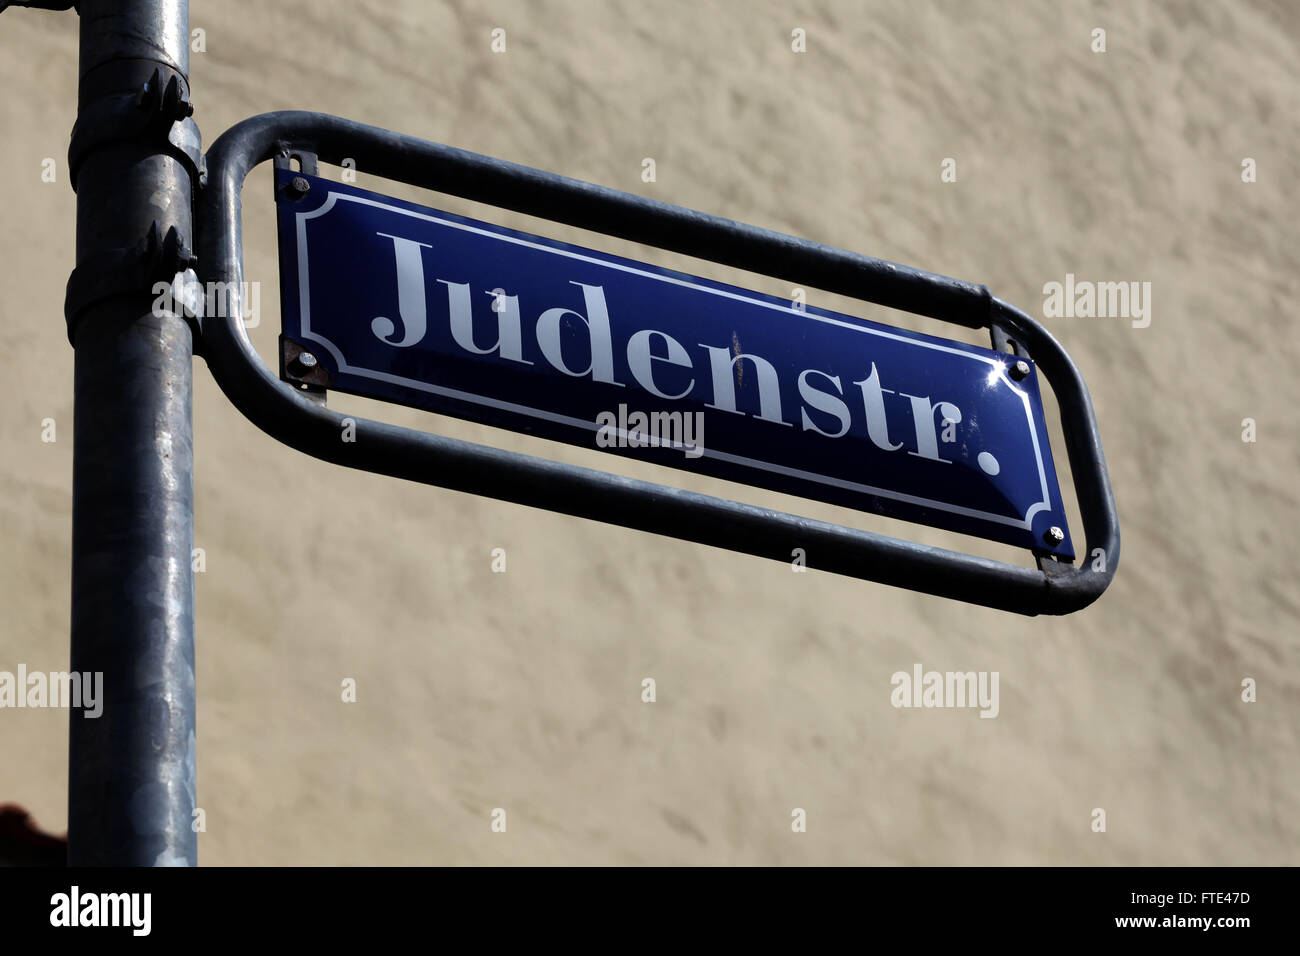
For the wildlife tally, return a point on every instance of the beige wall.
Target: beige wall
(522, 690)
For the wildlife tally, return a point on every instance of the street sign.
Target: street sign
(407, 304)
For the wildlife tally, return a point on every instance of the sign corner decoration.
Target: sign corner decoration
(408, 304)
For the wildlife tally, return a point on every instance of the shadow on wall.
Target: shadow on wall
(23, 844)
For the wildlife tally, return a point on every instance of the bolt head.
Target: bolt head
(299, 187)
(306, 360)
(1054, 535)
(1019, 370)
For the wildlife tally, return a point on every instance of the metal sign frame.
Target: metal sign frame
(300, 420)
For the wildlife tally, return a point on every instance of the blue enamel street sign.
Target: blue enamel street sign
(407, 304)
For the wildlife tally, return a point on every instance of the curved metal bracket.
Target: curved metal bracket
(295, 419)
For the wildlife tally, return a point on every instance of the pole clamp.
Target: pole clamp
(160, 110)
(156, 258)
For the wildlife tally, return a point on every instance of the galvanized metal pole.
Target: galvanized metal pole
(131, 776)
